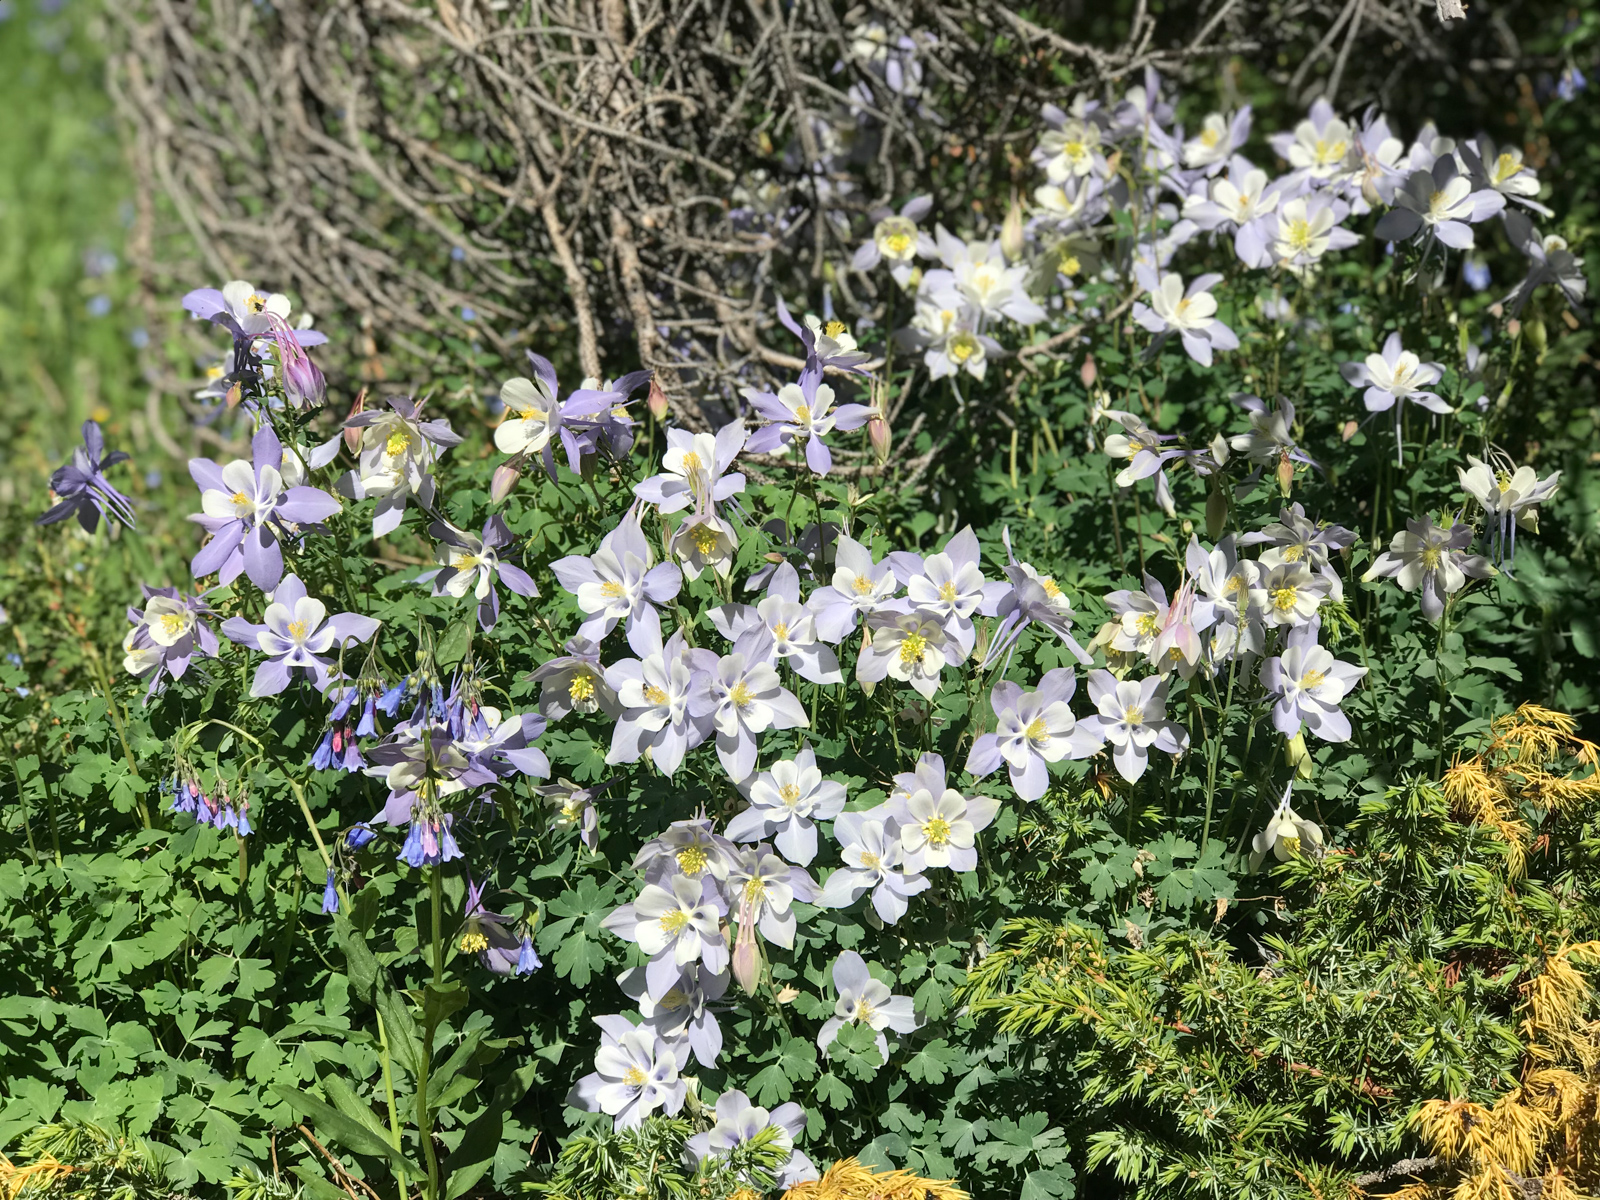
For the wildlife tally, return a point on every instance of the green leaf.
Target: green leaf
(352, 1134)
(833, 1092)
(457, 637)
(475, 1153)
(934, 1061)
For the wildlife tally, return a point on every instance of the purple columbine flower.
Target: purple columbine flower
(896, 240)
(691, 847)
(684, 1016)
(1431, 558)
(245, 507)
(873, 862)
(667, 703)
(1550, 260)
(938, 825)
(738, 1121)
(488, 935)
(595, 414)
(1033, 598)
(471, 563)
(1294, 537)
(575, 682)
(1191, 314)
(908, 644)
(252, 310)
(398, 451)
(297, 635)
(865, 1000)
(803, 412)
(1309, 684)
(635, 1074)
(1243, 201)
(619, 583)
(675, 924)
(1131, 718)
(169, 631)
(827, 345)
(1438, 202)
(83, 488)
(1393, 377)
(1034, 728)
(766, 888)
(572, 807)
(779, 627)
(786, 802)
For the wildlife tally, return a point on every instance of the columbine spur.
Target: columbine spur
(83, 488)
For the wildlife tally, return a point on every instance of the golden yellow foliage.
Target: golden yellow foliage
(849, 1179)
(15, 1180)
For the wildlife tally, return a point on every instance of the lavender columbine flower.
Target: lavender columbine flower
(667, 703)
(252, 310)
(572, 807)
(866, 1000)
(487, 935)
(803, 412)
(398, 452)
(1306, 228)
(693, 469)
(245, 506)
(297, 635)
(675, 925)
(779, 627)
(859, 588)
(827, 345)
(1243, 201)
(704, 541)
(1509, 499)
(938, 825)
(1131, 718)
(691, 847)
(684, 1014)
(1432, 558)
(1218, 139)
(1191, 314)
(870, 848)
(950, 584)
(1309, 684)
(533, 416)
(786, 802)
(765, 888)
(1035, 728)
(575, 682)
(1271, 438)
(897, 240)
(1392, 377)
(471, 564)
(1033, 598)
(1549, 261)
(1441, 203)
(83, 488)
(619, 583)
(749, 700)
(976, 274)
(1288, 594)
(635, 1074)
(908, 645)
(738, 1121)
(166, 634)
(949, 335)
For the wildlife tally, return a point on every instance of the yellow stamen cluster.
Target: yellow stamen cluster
(834, 328)
(297, 630)
(789, 793)
(705, 538)
(173, 623)
(913, 649)
(861, 585)
(936, 830)
(692, 860)
(674, 921)
(1285, 598)
(397, 443)
(1036, 731)
(581, 689)
(741, 695)
(654, 694)
(473, 942)
(633, 1077)
(611, 590)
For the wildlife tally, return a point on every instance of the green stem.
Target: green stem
(394, 1112)
(424, 1117)
(1214, 749)
(22, 801)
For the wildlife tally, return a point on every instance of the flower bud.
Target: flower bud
(1298, 756)
(1285, 474)
(1088, 372)
(303, 384)
(878, 436)
(1538, 337)
(746, 954)
(868, 686)
(1349, 430)
(657, 400)
(1012, 235)
(505, 478)
(352, 437)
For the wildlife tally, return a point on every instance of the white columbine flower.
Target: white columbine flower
(786, 802)
(1285, 834)
(938, 825)
(865, 1000)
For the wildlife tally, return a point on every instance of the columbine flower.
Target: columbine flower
(1309, 684)
(1509, 499)
(946, 332)
(1131, 718)
(675, 925)
(1288, 594)
(398, 451)
(252, 310)
(1295, 538)
(738, 1121)
(635, 1074)
(827, 345)
(801, 412)
(976, 273)
(938, 825)
(749, 700)
(908, 646)
(692, 469)
(870, 848)
(1070, 147)
(1394, 376)
(667, 703)
(1439, 201)
(691, 848)
(1271, 438)
(1432, 558)
(297, 635)
(684, 1014)
(1218, 139)
(1033, 598)
(618, 582)
(487, 935)
(765, 888)
(1319, 145)
(245, 505)
(471, 563)
(83, 488)
(1284, 835)
(897, 240)
(1549, 261)
(867, 1000)
(779, 627)
(1244, 201)
(859, 587)
(575, 682)
(169, 631)
(572, 807)
(532, 414)
(1502, 170)
(949, 584)
(786, 802)
(1306, 228)
(1035, 728)
(704, 541)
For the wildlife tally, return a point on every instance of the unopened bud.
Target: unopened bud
(1538, 336)
(1012, 235)
(1285, 475)
(504, 479)
(878, 435)
(657, 400)
(746, 954)
(868, 686)
(1349, 430)
(1219, 450)
(1514, 327)
(1088, 372)
(1299, 756)
(352, 437)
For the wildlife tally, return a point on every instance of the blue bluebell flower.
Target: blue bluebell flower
(330, 895)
